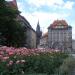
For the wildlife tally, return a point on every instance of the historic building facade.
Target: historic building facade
(60, 35)
(73, 45)
(30, 39)
(44, 41)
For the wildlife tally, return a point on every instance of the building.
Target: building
(60, 35)
(38, 34)
(44, 41)
(73, 45)
(30, 39)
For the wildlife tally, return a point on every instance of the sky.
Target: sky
(46, 11)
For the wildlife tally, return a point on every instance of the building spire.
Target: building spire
(38, 33)
(38, 23)
(38, 26)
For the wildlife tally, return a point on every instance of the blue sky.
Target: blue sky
(46, 11)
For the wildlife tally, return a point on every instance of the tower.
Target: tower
(38, 34)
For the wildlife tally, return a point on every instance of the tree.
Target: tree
(11, 31)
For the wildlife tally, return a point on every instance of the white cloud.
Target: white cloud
(53, 3)
(9, 0)
(69, 5)
(39, 3)
(20, 6)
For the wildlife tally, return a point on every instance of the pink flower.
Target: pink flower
(11, 53)
(1, 52)
(5, 58)
(23, 61)
(10, 62)
(1, 56)
(18, 61)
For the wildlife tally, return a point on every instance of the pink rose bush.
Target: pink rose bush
(14, 61)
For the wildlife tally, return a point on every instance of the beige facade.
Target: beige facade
(44, 41)
(30, 33)
(33, 39)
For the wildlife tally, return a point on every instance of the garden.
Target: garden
(23, 61)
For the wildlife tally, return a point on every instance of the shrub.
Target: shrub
(67, 66)
(43, 62)
(27, 61)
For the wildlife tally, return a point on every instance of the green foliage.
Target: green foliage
(67, 66)
(42, 64)
(11, 31)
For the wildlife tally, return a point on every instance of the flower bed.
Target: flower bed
(18, 61)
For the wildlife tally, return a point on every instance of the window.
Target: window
(59, 26)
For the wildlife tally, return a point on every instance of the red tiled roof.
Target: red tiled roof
(59, 22)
